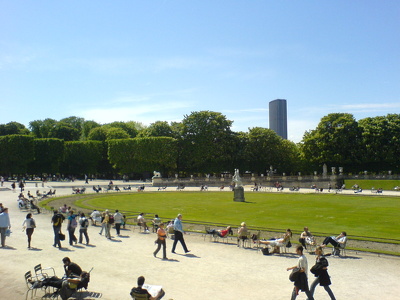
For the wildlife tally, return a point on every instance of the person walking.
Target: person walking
(103, 224)
(178, 231)
(106, 224)
(161, 236)
(30, 225)
(118, 217)
(320, 270)
(84, 224)
(301, 282)
(71, 226)
(57, 221)
(4, 225)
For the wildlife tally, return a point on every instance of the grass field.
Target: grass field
(387, 185)
(374, 217)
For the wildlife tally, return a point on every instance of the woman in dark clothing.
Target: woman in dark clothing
(29, 224)
(320, 270)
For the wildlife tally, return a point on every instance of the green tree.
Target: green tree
(116, 133)
(49, 153)
(87, 126)
(143, 154)
(42, 128)
(335, 141)
(207, 142)
(98, 134)
(159, 128)
(82, 157)
(13, 128)
(381, 142)
(16, 152)
(128, 127)
(65, 132)
(263, 149)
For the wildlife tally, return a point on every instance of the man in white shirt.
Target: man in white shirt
(301, 282)
(118, 217)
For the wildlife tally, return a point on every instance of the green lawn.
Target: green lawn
(323, 213)
(387, 185)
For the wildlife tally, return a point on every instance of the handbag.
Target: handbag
(294, 275)
(265, 251)
(8, 232)
(61, 236)
(289, 244)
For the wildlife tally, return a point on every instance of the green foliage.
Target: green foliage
(116, 133)
(207, 142)
(65, 131)
(336, 141)
(87, 126)
(159, 128)
(42, 129)
(49, 153)
(381, 142)
(143, 154)
(13, 128)
(97, 134)
(16, 152)
(128, 127)
(82, 157)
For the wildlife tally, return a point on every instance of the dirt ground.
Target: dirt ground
(210, 271)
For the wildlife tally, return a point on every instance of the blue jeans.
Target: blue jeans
(326, 287)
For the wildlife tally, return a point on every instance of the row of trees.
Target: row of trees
(202, 143)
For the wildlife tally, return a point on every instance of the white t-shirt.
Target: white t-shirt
(302, 263)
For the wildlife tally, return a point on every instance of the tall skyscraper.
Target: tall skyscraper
(278, 117)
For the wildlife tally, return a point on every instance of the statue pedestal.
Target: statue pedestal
(238, 194)
(157, 181)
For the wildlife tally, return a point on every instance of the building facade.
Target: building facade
(278, 117)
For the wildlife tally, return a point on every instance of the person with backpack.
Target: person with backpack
(84, 223)
(57, 221)
(72, 224)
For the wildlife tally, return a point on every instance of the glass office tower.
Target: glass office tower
(278, 117)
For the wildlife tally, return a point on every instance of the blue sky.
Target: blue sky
(160, 60)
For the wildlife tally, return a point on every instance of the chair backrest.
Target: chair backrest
(28, 275)
(38, 268)
(137, 296)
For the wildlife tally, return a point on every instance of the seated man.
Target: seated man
(141, 222)
(71, 269)
(156, 223)
(221, 233)
(66, 286)
(139, 293)
(336, 242)
(306, 238)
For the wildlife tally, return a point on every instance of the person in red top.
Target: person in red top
(221, 233)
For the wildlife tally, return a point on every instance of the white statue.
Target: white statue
(156, 174)
(236, 178)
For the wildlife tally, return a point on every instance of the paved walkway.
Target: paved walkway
(210, 271)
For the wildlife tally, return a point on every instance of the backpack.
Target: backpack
(84, 223)
(58, 221)
(74, 223)
(111, 219)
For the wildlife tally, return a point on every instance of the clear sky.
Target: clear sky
(160, 60)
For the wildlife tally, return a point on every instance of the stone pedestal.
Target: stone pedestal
(238, 194)
(157, 181)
